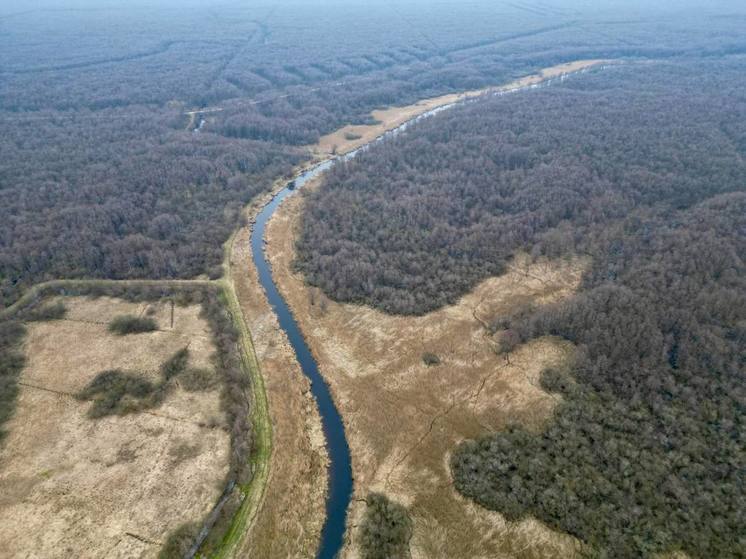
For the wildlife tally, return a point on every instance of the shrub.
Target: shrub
(179, 541)
(130, 324)
(49, 311)
(430, 359)
(386, 529)
(195, 379)
(507, 342)
(176, 364)
(117, 393)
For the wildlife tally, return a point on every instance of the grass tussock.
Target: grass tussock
(129, 324)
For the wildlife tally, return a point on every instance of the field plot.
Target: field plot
(115, 486)
(403, 416)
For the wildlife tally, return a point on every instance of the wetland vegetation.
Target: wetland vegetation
(133, 137)
(640, 168)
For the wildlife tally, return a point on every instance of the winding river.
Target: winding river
(340, 466)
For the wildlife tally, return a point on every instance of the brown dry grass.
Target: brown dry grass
(404, 418)
(352, 136)
(71, 486)
(293, 503)
(292, 513)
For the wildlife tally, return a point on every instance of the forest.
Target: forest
(103, 174)
(646, 451)
(641, 169)
(414, 223)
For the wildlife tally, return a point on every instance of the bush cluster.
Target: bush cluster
(115, 392)
(130, 324)
(44, 312)
(386, 529)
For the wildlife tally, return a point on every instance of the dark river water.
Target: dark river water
(340, 468)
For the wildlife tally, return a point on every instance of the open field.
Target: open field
(293, 502)
(72, 486)
(403, 417)
(351, 136)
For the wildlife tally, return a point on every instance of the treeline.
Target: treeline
(201, 55)
(642, 169)
(121, 196)
(415, 222)
(119, 392)
(101, 178)
(647, 452)
(50, 60)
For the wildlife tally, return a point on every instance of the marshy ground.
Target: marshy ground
(403, 417)
(114, 486)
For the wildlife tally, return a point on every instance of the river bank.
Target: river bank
(293, 498)
(354, 136)
(253, 301)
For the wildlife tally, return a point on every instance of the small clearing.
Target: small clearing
(72, 486)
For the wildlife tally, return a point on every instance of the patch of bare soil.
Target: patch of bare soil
(72, 486)
(403, 418)
(351, 137)
(292, 513)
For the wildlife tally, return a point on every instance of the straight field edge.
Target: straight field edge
(253, 492)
